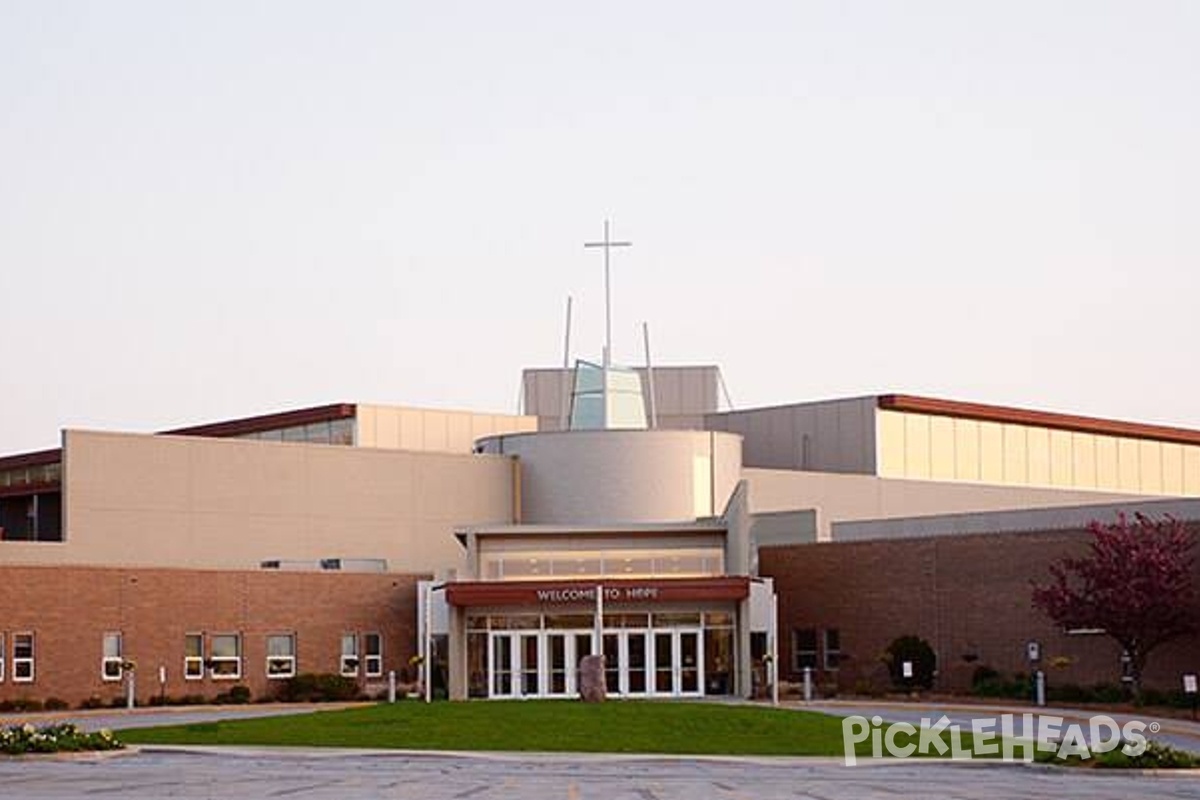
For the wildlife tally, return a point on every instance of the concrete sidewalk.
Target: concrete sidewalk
(118, 719)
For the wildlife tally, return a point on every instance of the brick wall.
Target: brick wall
(968, 596)
(69, 609)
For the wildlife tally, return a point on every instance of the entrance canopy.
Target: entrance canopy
(563, 593)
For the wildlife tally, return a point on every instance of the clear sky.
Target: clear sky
(216, 209)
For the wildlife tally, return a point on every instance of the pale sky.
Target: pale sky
(218, 209)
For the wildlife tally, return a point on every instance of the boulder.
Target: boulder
(591, 679)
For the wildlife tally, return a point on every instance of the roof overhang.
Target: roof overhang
(556, 594)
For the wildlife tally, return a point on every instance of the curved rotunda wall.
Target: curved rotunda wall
(602, 477)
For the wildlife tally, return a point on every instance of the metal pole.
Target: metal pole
(1041, 687)
(774, 648)
(566, 390)
(650, 377)
(391, 686)
(130, 691)
(808, 686)
(427, 664)
(599, 621)
(607, 303)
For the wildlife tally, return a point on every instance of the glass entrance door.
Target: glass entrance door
(636, 662)
(678, 668)
(501, 660)
(666, 662)
(690, 664)
(515, 665)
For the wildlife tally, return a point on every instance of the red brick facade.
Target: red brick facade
(968, 596)
(69, 609)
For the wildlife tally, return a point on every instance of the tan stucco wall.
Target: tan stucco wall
(224, 503)
(837, 498)
(925, 446)
(600, 477)
(431, 430)
(826, 436)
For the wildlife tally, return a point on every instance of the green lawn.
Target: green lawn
(546, 726)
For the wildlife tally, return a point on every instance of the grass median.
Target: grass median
(677, 728)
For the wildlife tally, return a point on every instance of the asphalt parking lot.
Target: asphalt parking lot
(341, 775)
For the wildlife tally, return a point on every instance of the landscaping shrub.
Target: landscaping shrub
(1069, 693)
(1109, 693)
(19, 740)
(236, 696)
(92, 702)
(21, 704)
(1155, 756)
(983, 674)
(56, 704)
(924, 662)
(318, 688)
(1172, 699)
(1016, 688)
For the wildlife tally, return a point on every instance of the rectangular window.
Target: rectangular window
(22, 658)
(226, 657)
(281, 656)
(111, 658)
(193, 656)
(373, 650)
(349, 662)
(833, 648)
(804, 649)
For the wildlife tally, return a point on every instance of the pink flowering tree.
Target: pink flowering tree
(1135, 583)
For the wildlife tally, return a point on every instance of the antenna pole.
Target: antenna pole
(607, 302)
(650, 377)
(566, 378)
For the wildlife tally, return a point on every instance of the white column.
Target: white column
(774, 672)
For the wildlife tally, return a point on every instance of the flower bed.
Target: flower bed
(62, 738)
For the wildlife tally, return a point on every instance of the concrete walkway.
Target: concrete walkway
(117, 719)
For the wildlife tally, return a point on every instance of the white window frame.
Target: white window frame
(372, 662)
(345, 668)
(214, 660)
(288, 660)
(2, 657)
(24, 661)
(827, 651)
(107, 661)
(193, 666)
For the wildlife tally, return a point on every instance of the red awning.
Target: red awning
(616, 591)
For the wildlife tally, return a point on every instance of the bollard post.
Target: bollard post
(1040, 678)
(130, 691)
(808, 684)
(392, 686)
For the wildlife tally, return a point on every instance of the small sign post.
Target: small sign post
(1189, 688)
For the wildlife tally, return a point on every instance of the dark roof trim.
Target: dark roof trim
(234, 427)
(38, 459)
(30, 489)
(1044, 419)
(267, 422)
